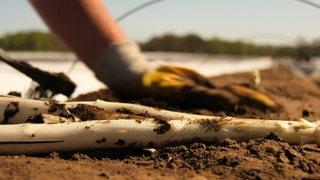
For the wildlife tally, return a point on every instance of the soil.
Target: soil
(269, 157)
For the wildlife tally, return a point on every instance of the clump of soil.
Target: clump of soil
(263, 158)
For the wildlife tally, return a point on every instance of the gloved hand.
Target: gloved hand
(129, 74)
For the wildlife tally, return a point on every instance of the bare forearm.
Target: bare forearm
(85, 26)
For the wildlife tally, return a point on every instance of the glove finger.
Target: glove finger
(209, 98)
(164, 84)
(164, 80)
(247, 94)
(181, 91)
(187, 73)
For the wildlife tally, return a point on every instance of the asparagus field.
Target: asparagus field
(240, 156)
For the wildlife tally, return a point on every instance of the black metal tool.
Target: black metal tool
(55, 82)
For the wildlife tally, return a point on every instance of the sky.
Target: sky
(260, 21)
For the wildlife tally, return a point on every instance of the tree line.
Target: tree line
(31, 41)
(194, 43)
(45, 41)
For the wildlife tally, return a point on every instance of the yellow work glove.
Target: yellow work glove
(128, 73)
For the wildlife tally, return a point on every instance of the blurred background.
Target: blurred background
(212, 36)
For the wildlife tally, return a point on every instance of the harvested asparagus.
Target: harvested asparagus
(158, 128)
(17, 110)
(40, 138)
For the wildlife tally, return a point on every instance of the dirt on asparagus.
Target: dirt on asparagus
(263, 158)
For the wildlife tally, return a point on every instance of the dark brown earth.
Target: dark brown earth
(263, 158)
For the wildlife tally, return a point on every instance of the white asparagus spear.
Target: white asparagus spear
(16, 110)
(161, 129)
(40, 138)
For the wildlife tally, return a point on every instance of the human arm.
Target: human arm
(85, 26)
(89, 30)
